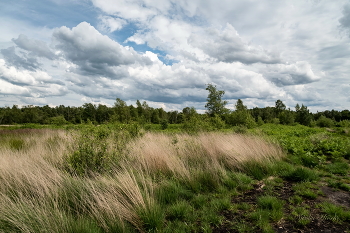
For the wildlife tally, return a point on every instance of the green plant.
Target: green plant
(334, 213)
(295, 200)
(16, 144)
(172, 191)
(152, 218)
(301, 174)
(341, 168)
(261, 218)
(179, 211)
(307, 190)
(301, 216)
(221, 203)
(164, 124)
(239, 180)
(258, 170)
(338, 185)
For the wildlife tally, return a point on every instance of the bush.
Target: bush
(98, 149)
(324, 122)
(164, 124)
(59, 120)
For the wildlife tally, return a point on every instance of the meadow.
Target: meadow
(128, 178)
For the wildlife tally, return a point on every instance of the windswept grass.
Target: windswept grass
(41, 191)
(181, 155)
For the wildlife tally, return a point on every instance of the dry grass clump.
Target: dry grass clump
(181, 154)
(122, 197)
(157, 152)
(31, 171)
(38, 195)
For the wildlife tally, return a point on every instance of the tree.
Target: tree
(303, 115)
(240, 106)
(215, 104)
(122, 111)
(241, 116)
(189, 112)
(279, 107)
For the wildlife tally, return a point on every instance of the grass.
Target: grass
(136, 181)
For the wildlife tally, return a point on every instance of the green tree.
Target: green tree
(240, 106)
(303, 116)
(189, 112)
(241, 116)
(279, 107)
(122, 111)
(89, 112)
(215, 104)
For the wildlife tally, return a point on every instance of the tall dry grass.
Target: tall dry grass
(37, 194)
(181, 154)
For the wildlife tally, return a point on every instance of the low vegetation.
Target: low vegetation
(125, 178)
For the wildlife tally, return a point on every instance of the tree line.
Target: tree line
(142, 113)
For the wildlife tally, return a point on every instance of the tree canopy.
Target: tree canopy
(215, 105)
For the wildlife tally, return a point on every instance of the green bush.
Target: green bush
(164, 124)
(324, 122)
(98, 149)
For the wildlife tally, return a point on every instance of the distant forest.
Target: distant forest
(144, 114)
(216, 116)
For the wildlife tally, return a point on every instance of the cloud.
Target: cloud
(131, 10)
(178, 83)
(50, 90)
(37, 47)
(94, 53)
(291, 74)
(21, 77)
(345, 20)
(25, 62)
(227, 46)
(7, 88)
(111, 24)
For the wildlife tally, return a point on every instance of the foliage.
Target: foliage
(215, 104)
(324, 122)
(59, 120)
(100, 148)
(121, 180)
(303, 115)
(241, 116)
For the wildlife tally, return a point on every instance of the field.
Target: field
(127, 178)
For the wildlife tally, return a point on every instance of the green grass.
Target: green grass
(119, 178)
(307, 190)
(301, 174)
(334, 213)
(339, 168)
(301, 215)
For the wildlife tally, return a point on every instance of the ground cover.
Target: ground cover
(123, 178)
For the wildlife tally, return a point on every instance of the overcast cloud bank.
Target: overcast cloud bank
(165, 52)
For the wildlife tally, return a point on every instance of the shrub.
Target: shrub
(324, 122)
(164, 124)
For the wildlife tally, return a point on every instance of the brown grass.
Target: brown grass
(180, 154)
(35, 189)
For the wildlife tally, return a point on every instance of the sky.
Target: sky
(165, 52)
